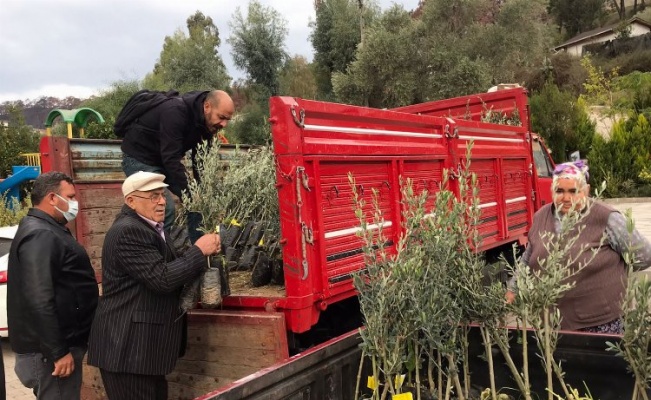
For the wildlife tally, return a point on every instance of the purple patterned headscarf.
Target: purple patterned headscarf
(577, 170)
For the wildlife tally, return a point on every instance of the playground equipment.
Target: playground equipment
(77, 116)
(10, 187)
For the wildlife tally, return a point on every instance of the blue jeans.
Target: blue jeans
(130, 166)
(35, 372)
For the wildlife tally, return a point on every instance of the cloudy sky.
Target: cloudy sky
(78, 47)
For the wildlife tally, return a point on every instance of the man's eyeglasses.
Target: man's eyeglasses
(154, 198)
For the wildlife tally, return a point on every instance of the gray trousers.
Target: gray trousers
(35, 372)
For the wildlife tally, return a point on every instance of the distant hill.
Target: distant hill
(35, 111)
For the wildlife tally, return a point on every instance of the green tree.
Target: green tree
(562, 121)
(450, 75)
(450, 67)
(251, 125)
(622, 160)
(639, 143)
(509, 47)
(405, 60)
(16, 137)
(385, 73)
(453, 16)
(634, 93)
(563, 69)
(109, 103)
(583, 129)
(576, 16)
(335, 36)
(258, 42)
(599, 86)
(297, 79)
(454, 48)
(600, 162)
(620, 6)
(190, 62)
(13, 210)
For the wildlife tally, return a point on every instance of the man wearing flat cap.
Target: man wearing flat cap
(139, 331)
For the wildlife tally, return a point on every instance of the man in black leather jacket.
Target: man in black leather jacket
(52, 293)
(158, 140)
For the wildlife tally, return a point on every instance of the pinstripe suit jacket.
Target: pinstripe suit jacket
(137, 328)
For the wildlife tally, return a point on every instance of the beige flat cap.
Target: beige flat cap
(143, 181)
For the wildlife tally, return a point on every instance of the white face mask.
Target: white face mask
(73, 209)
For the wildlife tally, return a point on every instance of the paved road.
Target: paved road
(16, 391)
(641, 215)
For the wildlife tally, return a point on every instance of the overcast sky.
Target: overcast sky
(78, 47)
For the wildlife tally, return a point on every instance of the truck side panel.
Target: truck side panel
(222, 347)
(512, 103)
(319, 145)
(327, 371)
(95, 168)
(502, 160)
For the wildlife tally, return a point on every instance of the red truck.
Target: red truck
(317, 144)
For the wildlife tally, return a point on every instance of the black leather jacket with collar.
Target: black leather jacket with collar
(52, 291)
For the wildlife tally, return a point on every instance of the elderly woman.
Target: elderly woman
(594, 303)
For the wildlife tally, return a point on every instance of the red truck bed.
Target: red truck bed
(318, 144)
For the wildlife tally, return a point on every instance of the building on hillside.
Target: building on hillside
(575, 45)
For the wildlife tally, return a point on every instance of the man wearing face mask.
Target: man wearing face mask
(158, 140)
(52, 293)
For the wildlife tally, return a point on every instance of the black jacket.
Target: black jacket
(163, 135)
(139, 328)
(51, 292)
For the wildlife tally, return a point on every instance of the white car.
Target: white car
(7, 234)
